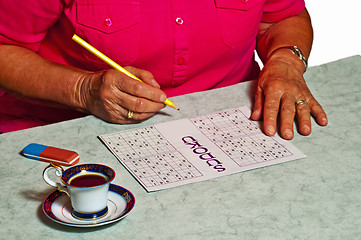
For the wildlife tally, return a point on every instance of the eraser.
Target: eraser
(50, 154)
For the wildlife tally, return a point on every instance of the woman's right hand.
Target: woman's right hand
(110, 95)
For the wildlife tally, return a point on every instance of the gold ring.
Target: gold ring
(130, 114)
(300, 102)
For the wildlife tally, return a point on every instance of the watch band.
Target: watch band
(297, 51)
(300, 55)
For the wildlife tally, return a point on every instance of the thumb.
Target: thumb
(258, 105)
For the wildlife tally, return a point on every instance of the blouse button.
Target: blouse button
(108, 22)
(181, 61)
(179, 21)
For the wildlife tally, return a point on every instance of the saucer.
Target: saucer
(58, 208)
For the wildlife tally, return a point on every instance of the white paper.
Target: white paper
(195, 149)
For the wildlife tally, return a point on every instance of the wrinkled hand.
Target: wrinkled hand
(110, 94)
(280, 86)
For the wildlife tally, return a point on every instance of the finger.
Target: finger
(303, 118)
(287, 116)
(109, 111)
(130, 93)
(142, 90)
(318, 113)
(144, 75)
(135, 117)
(115, 108)
(258, 105)
(138, 104)
(121, 115)
(270, 113)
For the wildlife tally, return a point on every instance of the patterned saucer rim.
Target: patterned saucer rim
(122, 192)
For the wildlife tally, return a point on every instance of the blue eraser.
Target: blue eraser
(34, 150)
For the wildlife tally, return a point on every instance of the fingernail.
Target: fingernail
(271, 130)
(163, 97)
(155, 83)
(288, 133)
(306, 129)
(324, 120)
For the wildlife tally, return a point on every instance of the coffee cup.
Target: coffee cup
(87, 185)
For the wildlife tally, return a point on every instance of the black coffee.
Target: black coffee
(88, 180)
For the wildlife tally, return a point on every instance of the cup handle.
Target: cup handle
(58, 172)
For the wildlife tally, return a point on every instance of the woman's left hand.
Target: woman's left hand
(282, 96)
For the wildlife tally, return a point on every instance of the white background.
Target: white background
(337, 29)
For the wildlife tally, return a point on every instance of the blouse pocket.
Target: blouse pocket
(239, 20)
(110, 26)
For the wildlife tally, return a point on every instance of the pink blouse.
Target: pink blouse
(188, 45)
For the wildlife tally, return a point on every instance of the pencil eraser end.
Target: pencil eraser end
(50, 154)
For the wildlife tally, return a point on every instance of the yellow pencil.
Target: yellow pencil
(113, 64)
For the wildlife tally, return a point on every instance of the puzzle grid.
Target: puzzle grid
(154, 161)
(150, 157)
(238, 137)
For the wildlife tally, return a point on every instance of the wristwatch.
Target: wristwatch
(299, 54)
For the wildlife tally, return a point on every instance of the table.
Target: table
(318, 197)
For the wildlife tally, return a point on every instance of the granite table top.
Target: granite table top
(317, 197)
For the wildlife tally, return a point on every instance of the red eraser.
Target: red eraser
(50, 154)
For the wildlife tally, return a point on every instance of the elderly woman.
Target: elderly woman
(175, 47)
